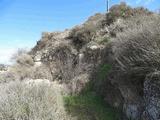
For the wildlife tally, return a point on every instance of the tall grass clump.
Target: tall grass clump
(137, 48)
(27, 101)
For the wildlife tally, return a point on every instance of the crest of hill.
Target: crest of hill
(96, 26)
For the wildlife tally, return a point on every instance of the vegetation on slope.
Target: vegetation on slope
(89, 106)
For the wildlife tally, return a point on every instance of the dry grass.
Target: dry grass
(25, 60)
(27, 101)
(138, 48)
(25, 68)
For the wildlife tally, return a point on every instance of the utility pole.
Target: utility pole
(107, 6)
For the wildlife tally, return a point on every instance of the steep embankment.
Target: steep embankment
(115, 55)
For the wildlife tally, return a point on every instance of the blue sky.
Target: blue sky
(23, 21)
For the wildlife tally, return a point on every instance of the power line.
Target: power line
(107, 6)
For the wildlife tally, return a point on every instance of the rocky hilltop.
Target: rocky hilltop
(115, 54)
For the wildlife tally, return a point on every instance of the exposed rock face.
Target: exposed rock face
(152, 96)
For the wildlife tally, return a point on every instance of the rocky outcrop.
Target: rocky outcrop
(96, 52)
(152, 97)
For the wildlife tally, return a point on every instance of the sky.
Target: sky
(23, 21)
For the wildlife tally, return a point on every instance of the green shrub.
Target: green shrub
(104, 40)
(82, 35)
(103, 70)
(89, 106)
(97, 79)
(118, 11)
(86, 32)
(124, 11)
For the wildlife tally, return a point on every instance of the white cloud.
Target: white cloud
(6, 54)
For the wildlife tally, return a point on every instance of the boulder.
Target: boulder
(152, 97)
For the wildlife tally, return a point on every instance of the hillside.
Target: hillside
(108, 66)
